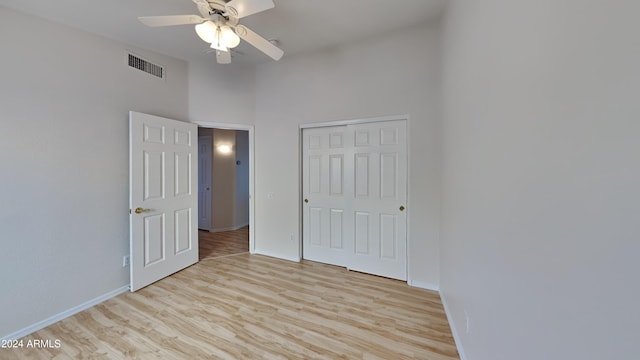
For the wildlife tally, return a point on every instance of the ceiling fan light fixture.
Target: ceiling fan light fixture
(207, 31)
(217, 46)
(218, 42)
(228, 37)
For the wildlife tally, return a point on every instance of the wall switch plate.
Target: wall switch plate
(125, 261)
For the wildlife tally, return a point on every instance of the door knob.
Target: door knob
(141, 210)
(207, 188)
(401, 208)
(306, 201)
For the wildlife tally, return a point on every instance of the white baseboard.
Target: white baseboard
(423, 285)
(233, 228)
(65, 314)
(277, 256)
(456, 337)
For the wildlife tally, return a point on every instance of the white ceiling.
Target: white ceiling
(299, 25)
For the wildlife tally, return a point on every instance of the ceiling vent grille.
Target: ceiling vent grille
(146, 66)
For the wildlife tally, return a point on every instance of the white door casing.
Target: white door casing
(355, 182)
(250, 130)
(163, 198)
(205, 144)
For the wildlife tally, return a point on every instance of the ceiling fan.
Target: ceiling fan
(219, 25)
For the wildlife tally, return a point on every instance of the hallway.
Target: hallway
(216, 244)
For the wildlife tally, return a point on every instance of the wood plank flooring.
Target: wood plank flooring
(215, 244)
(256, 307)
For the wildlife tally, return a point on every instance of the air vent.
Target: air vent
(139, 63)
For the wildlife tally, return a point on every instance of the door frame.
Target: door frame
(301, 127)
(250, 130)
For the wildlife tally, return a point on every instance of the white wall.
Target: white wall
(541, 138)
(224, 94)
(223, 181)
(221, 93)
(64, 100)
(393, 74)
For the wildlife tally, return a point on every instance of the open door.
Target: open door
(162, 197)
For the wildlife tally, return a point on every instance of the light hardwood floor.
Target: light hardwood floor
(256, 307)
(215, 244)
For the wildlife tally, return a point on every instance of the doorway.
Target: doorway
(225, 181)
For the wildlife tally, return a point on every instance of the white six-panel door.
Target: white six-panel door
(354, 191)
(325, 226)
(163, 197)
(205, 144)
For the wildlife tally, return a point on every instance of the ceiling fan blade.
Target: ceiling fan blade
(223, 57)
(242, 8)
(171, 20)
(259, 42)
